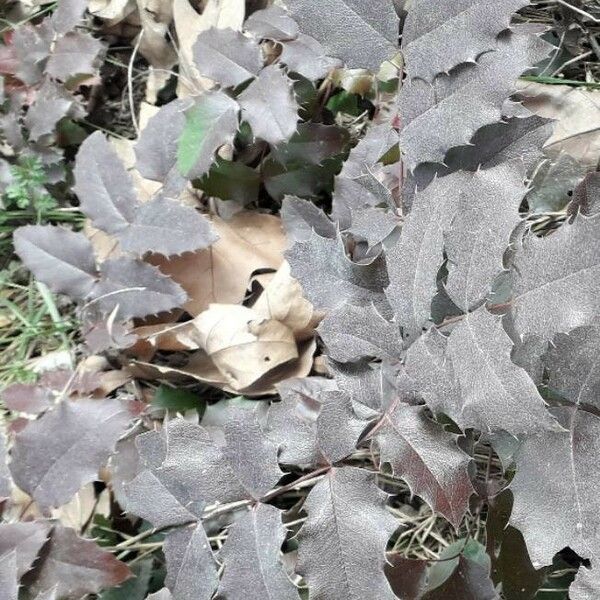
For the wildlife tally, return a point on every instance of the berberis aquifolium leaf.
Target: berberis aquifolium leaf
(362, 34)
(52, 468)
(458, 347)
(108, 197)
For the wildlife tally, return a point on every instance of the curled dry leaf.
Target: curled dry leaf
(242, 345)
(220, 274)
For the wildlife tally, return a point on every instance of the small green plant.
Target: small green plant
(27, 190)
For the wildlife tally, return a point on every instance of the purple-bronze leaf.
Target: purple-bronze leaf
(5, 478)
(191, 567)
(494, 392)
(338, 426)
(269, 106)
(105, 189)
(329, 278)
(362, 34)
(342, 543)
(447, 113)
(252, 567)
(227, 56)
(555, 489)
(137, 288)
(427, 458)
(62, 259)
(272, 23)
(25, 540)
(244, 467)
(305, 56)
(437, 38)
(53, 457)
(556, 281)
(353, 332)
(73, 54)
(76, 566)
(486, 215)
(9, 582)
(167, 227)
(573, 361)
(171, 503)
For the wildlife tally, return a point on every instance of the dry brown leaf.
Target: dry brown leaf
(201, 368)
(82, 507)
(577, 111)
(188, 24)
(283, 301)
(243, 345)
(221, 274)
(154, 45)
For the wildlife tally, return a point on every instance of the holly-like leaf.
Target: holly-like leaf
(156, 148)
(62, 259)
(447, 113)
(435, 40)
(269, 106)
(301, 217)
(137, 288)
(555, 281)
(342, 543)
(292, 422)
(53, 457)
(356, 186)
(25, 540)
(305, 56)
(427, 458)
(563, 488)
(245, 467)
(73, 54)
(495, 393)
(353, 332)
(252, 567)
(227, 56)
(68, 15)
(273, 23)
(9, 583)
(210, 123)
(167, 227)
(338, 426)
(490, 203)
(171, 504)
(573, 361)
(432, 372)
(76, 566)
(105, 189)
(361, 34)
(191, 568)
(329, 278)
(469, 581)
(414, 262)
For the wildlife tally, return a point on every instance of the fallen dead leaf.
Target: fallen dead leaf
(154, 44)
(577, 112)
(221, 274)
(282, 300)
(243, 345)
